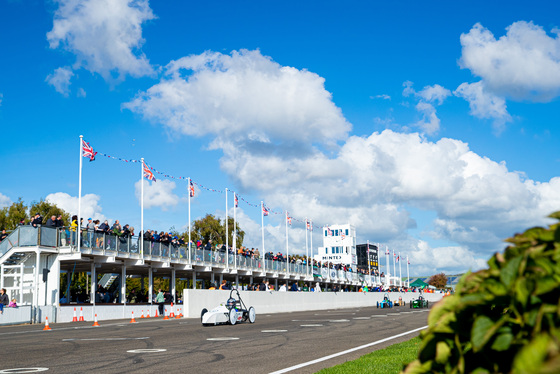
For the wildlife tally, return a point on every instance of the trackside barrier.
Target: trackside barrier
(16, 316)
(282, 302)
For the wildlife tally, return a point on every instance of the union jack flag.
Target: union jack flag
(87, 151)
(265, 210)
(236, 200)
(191, 189)
(307, 224)
(387, 252)
(148, 173)
(398, 258)
(289, 220)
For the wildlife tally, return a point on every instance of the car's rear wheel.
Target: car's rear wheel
(232, 316)
(204, 311)
(252, 315)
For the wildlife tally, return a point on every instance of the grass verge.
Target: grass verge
(384, 361)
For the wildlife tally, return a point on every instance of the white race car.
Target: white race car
(232, 312)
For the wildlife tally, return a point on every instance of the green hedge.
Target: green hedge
(504, 319)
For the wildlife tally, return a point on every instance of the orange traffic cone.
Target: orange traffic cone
(81, 315)
(95, 323)
(156, 314)
(178, 314)
(172, 315)
(75, 318)
(181, 314)
(47, 324)
(165, 314)
(133, 320)
(148, 316)
(142, 316)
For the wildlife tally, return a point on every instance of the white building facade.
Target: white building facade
(339, 245)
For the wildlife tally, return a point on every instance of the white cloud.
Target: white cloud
(382, 96)
(484, 104)
(81, 92)
(89, 207)
(157, 194)
(60, 80)
(1, 97)
(105, 35)
(264, 118)
(242, 97)
(427, 99)
(524, 64)
(4, 201)
(449, 260)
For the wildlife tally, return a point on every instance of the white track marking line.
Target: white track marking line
(291, 368)
(104, 339)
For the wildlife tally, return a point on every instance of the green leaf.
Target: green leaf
(442, 352)
(479, 334)
(530, 358)
(509, 272)
(545, 285)
(503, 340)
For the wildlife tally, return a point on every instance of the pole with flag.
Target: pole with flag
(400, 273)
(262, 232)
(368, 262)
(227, 234)
(190, 187)
(78, 233)
(311, 240)
(387, 265)
(235, 230)
(287, 247)
(142, 208)
(395, 267)
(407, 273)
(307, 245)
(145, 173)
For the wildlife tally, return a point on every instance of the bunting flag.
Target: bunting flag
(191, 189)
(289, 220)
(265, 211)
(148, 173)
(87, 151)
(329, 232)
(235, 200)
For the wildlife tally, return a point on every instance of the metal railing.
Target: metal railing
(108, 243)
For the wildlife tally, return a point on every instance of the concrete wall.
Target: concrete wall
(263, 302)
(281, 302)
(16, 316)
(110, 311)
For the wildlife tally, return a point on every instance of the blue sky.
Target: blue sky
(430, 126)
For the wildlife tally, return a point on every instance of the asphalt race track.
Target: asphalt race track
(275, 343)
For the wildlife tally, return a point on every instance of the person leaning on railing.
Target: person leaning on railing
(3, 235)
(4, 300)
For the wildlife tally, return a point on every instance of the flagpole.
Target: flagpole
(227, 234)
(311, 239)
(394, 267)
(368, 262)
(142, 207)
(234, 231)
(78, 229)
(306, 245)
(407, 274)
(287, 247)
(189, 204)
(387, 270)
(262, 232)
(400, 270)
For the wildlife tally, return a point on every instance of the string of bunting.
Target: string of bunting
(197, 184)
